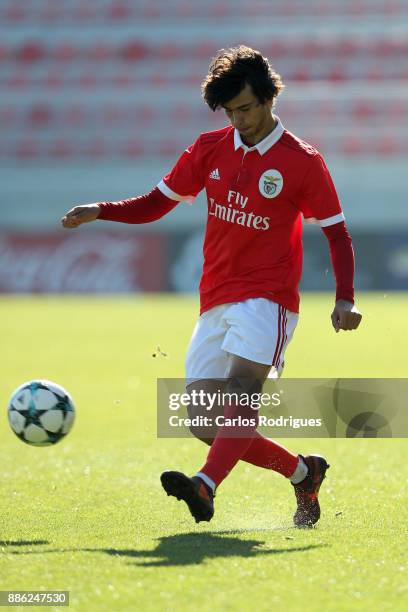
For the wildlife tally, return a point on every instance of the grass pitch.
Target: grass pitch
(89, 514)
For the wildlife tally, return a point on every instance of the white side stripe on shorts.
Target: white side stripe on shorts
(282, 320)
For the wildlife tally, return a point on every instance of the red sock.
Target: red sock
(270, 455)
(226, 451)
(224, 454)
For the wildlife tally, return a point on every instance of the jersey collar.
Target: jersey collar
(264, 145)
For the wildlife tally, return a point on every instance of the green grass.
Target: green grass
(89, 515)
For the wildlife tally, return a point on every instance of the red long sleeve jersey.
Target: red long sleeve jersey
(256, 197)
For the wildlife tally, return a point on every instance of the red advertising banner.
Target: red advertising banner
(83, 262)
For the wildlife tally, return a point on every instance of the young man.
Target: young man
(260, 179)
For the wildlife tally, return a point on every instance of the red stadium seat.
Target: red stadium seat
(323, 8)
(150, 11)
(15, 12)
(144, 114)
(310, 49)
(347, 48)
(364, 110)
(169, 51)
(387, 146)
(19, 80)
(31, 51)
(301, 73)
(88, 80)
(397, 111)
(169, 148)
(54, 80)
(113, 115)
(185, 9)
(52, 13)
(219, 10)
(65, 52)
(8, 115)
(27, 149)
(61, 148)
(289, 8)
(133, 51)
(84, 11)
(3, 53)
(337, 73)
(376, 73)
(75, 115)
(96, 148)
(275, 49)
(122, 81)
(119, 10)
(181, 114)
(133, 148)
(356, 7)
(40, 115)
(327, 111)
(159, 80)
(352, 145)
(99, 52)
(253, 9)
(205, 50)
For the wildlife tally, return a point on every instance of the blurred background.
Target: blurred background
(100, 97)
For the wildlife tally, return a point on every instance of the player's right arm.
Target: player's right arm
(183, 183)
(142, 209)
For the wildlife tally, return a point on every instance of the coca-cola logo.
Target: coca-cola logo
(80, 263)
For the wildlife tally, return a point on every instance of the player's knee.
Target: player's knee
(199, 426)
(244, 391)
(244, 384)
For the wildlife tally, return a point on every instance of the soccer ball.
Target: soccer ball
(41, 413)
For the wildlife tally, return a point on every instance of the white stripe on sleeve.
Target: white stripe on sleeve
(326, 222)
(332, 220)
(169, 193)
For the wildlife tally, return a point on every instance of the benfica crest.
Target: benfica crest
(271, 183)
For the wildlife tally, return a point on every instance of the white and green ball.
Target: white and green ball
(41, 412)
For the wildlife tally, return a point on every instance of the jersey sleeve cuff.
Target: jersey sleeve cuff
(169, 193)
(327, 222)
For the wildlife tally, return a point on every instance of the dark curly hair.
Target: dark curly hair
(231, 69)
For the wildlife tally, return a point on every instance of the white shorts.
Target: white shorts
(256, 329)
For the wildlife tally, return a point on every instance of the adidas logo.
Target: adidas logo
(215, 175)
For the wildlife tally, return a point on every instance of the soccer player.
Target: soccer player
(259, 180)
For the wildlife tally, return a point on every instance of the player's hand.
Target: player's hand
(345, 316)
(80, 214)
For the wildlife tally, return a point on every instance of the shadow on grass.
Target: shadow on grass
(22, 542)
(185, 549)
(194, 548)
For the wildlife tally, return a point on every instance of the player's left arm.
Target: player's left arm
(320, 203)
(345, 314)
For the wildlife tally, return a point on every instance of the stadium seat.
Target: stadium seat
(31, 51)
(133, 51)
(40, 115)
(119, 10)
(27, 149)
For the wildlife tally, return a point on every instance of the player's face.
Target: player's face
(253, 120)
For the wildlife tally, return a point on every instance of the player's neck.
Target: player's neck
(263, 132)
